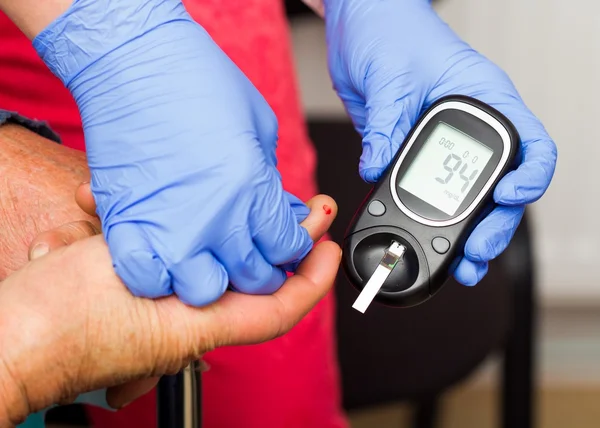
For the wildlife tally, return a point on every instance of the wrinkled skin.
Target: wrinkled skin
(37, 182)
(70, 326)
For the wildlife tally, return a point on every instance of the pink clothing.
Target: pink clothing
(290, 382)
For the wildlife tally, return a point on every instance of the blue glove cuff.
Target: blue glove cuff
(90, 29)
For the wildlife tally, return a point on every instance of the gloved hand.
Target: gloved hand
(389, 61)
(181, 150)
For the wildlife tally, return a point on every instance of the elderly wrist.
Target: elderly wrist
(13, 401)
(32, 373)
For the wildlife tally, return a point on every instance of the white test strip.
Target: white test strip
(393, 254)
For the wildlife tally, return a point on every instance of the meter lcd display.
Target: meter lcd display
(446, 168)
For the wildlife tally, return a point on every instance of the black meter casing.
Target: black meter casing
(434, 240)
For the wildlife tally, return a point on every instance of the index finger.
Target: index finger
(323, 211)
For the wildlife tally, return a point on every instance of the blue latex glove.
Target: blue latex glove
(389, 61)
(181, 148)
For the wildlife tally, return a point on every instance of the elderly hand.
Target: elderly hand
(69, 233)
(36, 192)
(69, 311)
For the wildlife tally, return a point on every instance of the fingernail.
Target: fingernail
(39, 250)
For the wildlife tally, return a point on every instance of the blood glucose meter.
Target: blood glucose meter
(406, 239)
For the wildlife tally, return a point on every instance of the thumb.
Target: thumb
(85, 199)
(388, 120)
(61, 236)
(265, 319)
(316, 216)
(323, 211)
(239, 319)
(243, 319)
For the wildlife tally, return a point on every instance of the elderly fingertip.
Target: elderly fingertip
(322, 203)
(332, 204)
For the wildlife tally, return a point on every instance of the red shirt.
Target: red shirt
(290, 382)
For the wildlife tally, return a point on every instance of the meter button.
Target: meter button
(376, 208)
(440, 245)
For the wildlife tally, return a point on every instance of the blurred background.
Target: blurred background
(551, 50)
(522, 349)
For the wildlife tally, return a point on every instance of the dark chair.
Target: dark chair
(415, 355)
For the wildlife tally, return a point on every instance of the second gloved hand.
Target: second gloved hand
(389, 61)
(181, 148)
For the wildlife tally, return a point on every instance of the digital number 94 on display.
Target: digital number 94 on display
(454, 163)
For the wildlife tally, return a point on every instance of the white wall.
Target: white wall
(551, 49)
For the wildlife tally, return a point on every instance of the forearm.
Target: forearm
(32, 16)
(38, 179)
